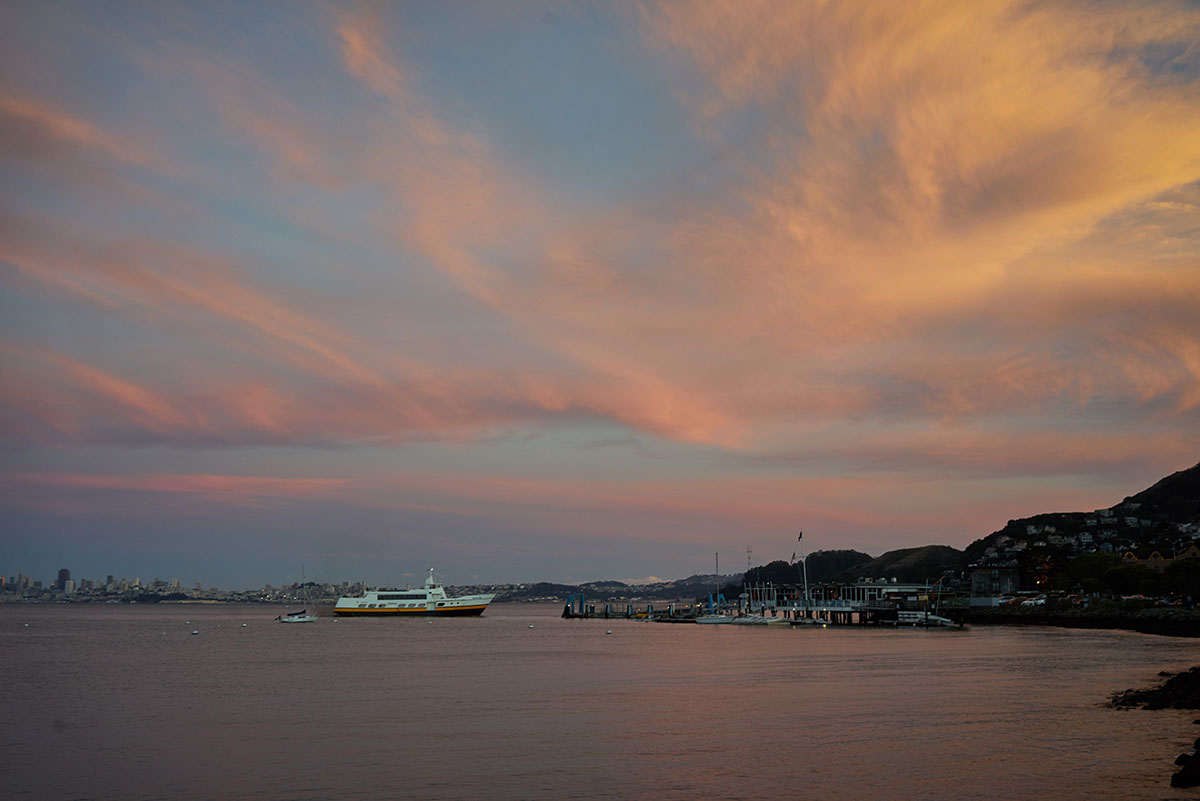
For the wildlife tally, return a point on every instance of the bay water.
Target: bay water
(125, 702)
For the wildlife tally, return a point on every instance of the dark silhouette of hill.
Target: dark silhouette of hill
(824, 565)
(1169, 502)
(1175, 498)
(691, 587)
(926, 563)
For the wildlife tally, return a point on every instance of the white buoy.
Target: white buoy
(608, 632)
(26, 625)
(530, 625)
(195, 632)
(243, 625)
(428, 622)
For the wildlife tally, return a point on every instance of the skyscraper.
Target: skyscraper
(64, 576)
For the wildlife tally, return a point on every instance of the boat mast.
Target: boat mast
(716, 582)
(746, 584)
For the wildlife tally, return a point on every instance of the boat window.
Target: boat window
(403, 596)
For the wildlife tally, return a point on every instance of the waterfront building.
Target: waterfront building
(992, 580)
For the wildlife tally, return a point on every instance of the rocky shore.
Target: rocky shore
(1169, 621)
(1181, 691)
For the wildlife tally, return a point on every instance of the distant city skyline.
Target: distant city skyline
(579, 291)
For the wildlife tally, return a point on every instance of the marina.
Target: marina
(857, 604)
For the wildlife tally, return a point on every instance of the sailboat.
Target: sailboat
(302, 616)
(716, 616)
(297, 617)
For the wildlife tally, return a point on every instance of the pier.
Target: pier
(863, 603)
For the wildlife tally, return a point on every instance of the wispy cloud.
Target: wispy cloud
(32, 129)
(903, 247)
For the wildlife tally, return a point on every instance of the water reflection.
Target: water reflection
(489, 708)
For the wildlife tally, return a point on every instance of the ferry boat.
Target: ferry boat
(430, 600)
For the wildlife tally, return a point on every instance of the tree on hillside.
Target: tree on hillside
(777, 572)
(1132, 580)
(1093, 564)
(1182, 577)
(823, 565)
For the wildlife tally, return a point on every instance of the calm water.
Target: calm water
(119, 702)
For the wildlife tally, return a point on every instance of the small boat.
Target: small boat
(297, 617)
(430, 600)
(714, 619)
(750, 620)
(302, 616)
(923, 619)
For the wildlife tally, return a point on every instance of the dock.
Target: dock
(851, 609)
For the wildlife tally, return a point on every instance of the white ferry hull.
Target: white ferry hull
(430, 600)
(355, 610)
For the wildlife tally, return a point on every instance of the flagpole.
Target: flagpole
(804, 567)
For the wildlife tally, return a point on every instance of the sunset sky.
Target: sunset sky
(570, 291)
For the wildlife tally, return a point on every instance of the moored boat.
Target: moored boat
(429, 600)
(297, 617)
(917, 618)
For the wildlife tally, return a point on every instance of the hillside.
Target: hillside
(824, 565)
(926, 563)
(1154, 519)
(681, 589)
(1175, 498)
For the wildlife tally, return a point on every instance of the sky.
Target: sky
(573, 291)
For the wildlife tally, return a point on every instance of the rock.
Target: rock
(1166, 673)
(1183, 759)
(1181, 691)
(1188, 775)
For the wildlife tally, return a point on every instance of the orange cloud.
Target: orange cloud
(916, 232)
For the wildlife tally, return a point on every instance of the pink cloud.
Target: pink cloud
(30, 127)
(918, 243)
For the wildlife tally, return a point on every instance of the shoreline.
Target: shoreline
(1176, 691)
(1167, 622)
